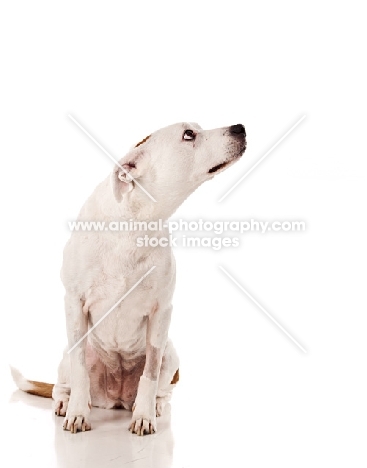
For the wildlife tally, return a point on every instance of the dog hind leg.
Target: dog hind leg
(168, 377)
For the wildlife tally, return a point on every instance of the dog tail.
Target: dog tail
(30, 386)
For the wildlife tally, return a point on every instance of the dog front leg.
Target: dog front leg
(144, 410)
(77, 415)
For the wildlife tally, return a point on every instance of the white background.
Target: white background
(247, 396)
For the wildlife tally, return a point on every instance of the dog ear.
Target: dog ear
(129, 168)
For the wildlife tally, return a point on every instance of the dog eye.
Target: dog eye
(188, 135)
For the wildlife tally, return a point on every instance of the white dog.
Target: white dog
(127, 360)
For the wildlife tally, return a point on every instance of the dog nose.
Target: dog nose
(238, 129)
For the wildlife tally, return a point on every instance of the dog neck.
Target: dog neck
(135, 205)
(138, 205)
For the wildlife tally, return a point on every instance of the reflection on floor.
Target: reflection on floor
(108, 444)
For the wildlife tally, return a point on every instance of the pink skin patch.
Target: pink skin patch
(113, 387)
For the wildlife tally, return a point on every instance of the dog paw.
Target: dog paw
(61, 407)
(161, 403)
(75, 423)
(144, 408)
(143, 425)
(77, 414)
(159, 407)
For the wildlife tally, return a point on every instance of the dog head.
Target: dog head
(172, 162)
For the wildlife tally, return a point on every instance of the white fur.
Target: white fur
(21, 382)
(99, 267)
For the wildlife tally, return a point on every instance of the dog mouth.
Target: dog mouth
(227, 162)
(220, 166)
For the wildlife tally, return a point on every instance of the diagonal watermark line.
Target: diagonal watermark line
(110, 310)
(263, 310)
(111, 157)
(261, 159)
